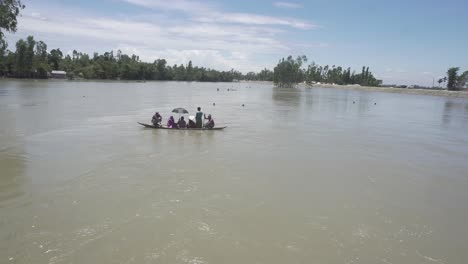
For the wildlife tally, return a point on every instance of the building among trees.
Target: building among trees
(58, 74)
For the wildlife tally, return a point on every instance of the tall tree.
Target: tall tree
(463, 80)
(338, 75)
(9, 11)
(440, 81)
(20, 54)
(452, 75)
(189, 72)
(40, 60)
(55, 57)
(288, 73)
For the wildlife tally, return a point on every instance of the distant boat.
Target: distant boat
(188, 129)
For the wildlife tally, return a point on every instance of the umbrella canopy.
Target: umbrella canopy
(180, 110)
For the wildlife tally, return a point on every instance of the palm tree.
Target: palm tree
(440, 81)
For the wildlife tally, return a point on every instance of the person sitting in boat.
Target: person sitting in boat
(191, 122)
(171, 123)
(157, 119)
(210, 123)
(181, 123)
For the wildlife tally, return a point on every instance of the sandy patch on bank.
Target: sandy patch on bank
(456, 94)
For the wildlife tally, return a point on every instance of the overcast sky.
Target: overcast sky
(410, 42)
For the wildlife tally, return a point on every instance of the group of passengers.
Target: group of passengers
(193, 122)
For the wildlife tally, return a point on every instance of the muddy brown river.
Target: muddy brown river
(299, 175)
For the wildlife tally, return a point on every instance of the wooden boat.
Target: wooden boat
(161, 127)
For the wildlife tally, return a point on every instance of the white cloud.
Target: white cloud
(310, 45)
(219, 46)
(37, 15)
(253, 19)
(184, 36)
(175, 5)
(397, 70)
(200, 32)
(287, 5)
(213, 59)
(211, 14)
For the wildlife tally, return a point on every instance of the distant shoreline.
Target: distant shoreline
(105, 80)
(446, 93)
(416, 91)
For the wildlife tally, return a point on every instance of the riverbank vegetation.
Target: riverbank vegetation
(289, 72)
(32, 60)
(455, 81)
(9, 11)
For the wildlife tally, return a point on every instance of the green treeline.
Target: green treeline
(263, 75)
(289, 72)
(454, 80)
(32, 60)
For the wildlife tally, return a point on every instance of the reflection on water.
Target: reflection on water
(454, 113)
(333, 176)
(13, 158)
(286, 104)
(12, 180)
(286, 97)
(448, 108)
(15, 193)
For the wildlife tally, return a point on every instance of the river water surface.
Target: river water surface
(299, 176)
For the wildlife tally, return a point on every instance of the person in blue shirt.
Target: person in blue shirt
(199, 118)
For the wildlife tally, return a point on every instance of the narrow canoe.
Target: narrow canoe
(155, 127)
